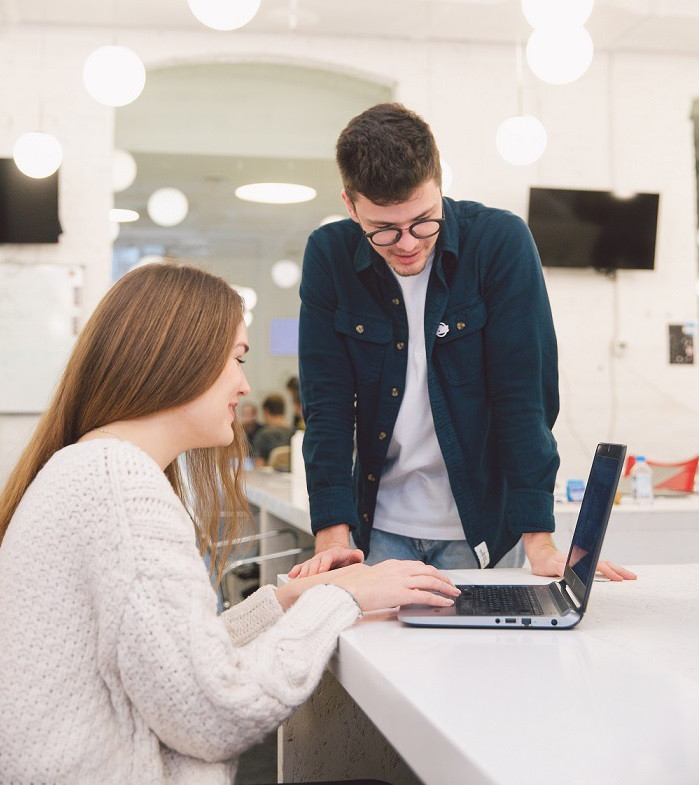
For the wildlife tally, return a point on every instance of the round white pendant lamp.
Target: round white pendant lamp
(114, 75)
(114, 228)
(224, 14)
(248, 295)
(330, 219)
(557, 13)
(286, 273)
(123, 170)
(521, 140)
(447, 176)
(247, 318)
(560, 56)
(275, 193)
(167, 206)
(37, 154)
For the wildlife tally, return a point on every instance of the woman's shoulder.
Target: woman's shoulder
(103, 457)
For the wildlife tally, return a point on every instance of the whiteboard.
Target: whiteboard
(39, 321)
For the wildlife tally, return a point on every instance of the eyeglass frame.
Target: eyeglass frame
(369, 235)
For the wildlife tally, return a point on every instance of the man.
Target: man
(426, 325)
(274, 433)
(292, 385)
(248, 419)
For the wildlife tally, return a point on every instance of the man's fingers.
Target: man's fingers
(614, 572)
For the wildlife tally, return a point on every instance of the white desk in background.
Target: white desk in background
(614, 701)
(664, 532)
(278, 505)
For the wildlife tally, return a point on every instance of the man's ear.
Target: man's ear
(350, 207)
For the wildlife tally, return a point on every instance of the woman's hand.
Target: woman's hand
(383, 585)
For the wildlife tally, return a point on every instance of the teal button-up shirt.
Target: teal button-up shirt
(492, 376)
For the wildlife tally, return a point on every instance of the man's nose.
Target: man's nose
(407, 243)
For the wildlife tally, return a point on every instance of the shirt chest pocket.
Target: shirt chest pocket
(459, 343)
(367, 338)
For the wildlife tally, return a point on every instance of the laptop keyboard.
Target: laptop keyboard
(494, 600)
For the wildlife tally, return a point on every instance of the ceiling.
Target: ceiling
(174, 144)
(649, 25)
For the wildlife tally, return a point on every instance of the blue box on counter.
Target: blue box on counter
(575, 490)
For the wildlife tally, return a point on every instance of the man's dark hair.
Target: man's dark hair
(274, 404)
(386, 153)
(292, 386)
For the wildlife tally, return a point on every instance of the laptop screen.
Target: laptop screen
(592, 520)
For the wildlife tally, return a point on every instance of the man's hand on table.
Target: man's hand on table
(332, 551)
(545, 559)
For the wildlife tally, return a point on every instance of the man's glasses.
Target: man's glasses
(426, 227)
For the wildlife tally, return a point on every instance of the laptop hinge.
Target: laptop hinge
(564, 598)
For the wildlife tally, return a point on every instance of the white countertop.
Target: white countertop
(613, 701)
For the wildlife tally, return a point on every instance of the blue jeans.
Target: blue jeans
(442, 554)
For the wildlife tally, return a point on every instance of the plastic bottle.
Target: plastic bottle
(642, 481)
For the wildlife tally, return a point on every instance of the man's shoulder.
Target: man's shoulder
(337, 234)
(480, 214)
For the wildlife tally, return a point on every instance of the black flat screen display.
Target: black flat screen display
(28, 206)
(594, 228)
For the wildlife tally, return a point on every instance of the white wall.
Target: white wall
(641, 140)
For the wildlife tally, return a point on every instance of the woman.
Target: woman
(114, 666)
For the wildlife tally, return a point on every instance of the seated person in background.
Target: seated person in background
(248, 418)
(293, 387)
(276, 431)
(127, 674)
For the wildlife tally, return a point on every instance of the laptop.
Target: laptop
(557, 605)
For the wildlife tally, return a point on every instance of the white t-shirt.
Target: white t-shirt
(414, 497)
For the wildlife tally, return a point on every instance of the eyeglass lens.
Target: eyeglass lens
(421, 230)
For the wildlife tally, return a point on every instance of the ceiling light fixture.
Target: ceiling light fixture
(330, 219)
(37, 154)
(447, 176)
(123, 170)
(521, 140)
(557, 13)
(167, 206)
(122, 216)
(286, 273)
(224, 14)
(560, 55)
(275, 193)
(248, 295)
(114, 75)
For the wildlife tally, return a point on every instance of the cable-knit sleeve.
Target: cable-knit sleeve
(247, 619)
(200, 693)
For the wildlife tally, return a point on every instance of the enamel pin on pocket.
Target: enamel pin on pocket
(442, 330)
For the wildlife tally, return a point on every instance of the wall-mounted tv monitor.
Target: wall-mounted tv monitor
(594, 228)
(28, 206)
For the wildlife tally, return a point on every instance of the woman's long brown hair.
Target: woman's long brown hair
(159, 338)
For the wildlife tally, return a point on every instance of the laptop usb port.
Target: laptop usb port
(510, 621)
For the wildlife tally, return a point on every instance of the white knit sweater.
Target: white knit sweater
(114, 667)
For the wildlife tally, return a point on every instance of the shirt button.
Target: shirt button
(400, 345)
(366, 516)
(359, 328)
(394, 392)
(395, 301)
(460, 325)
(382, 435)
(371, 478)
